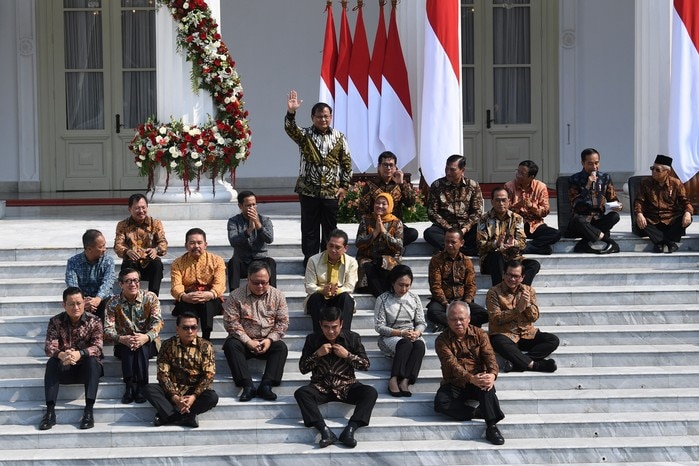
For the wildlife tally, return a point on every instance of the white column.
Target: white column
(27, 125)
(176, 99)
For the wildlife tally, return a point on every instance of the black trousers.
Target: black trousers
(494, 265)
(409, 235)
(238, 269)
(316, 214)
(542, 238)
(317, 302)
(151, 273)
(451, 400)
(661, 233)
(134, 363)
(376, 277)
(579, 227)
(86, 371)
(155, 394)
(237, 355)
(408, 359)
(309, 398)
(437, 314)
(205, 311)
(434, 235)
(538, 348)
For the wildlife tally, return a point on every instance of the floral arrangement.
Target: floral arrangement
(219, 145)
(349, 207)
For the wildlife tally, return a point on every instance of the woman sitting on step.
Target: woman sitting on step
(379, 246)
(399, 320)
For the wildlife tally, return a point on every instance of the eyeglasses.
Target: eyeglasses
(259, 282)
(388, 165)
(512, 276)
(131, 281)
(656, 169)
(189, 328)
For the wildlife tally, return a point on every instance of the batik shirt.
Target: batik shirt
(186, 369)
(531, 203)
(491, 229)
(463, 359)
(93, 278)
(455, 205)
(503, 316)
(61, 335)
(451, 279)
(248, 316)
(590, 202)
(402, 194)
(139, 237)
(331, 373)
(123, 317)
(326, 164)
(207, 273)
(662, 203)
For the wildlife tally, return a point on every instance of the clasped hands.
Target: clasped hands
(183, 403)
(330, 290)
(484, 381)
(134, 255)
(198, 297)
(134, 342)
(411, 335)
(69, 357)
(259, 346)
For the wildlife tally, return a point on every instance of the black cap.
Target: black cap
(661, 159)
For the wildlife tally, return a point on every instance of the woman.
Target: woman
(400, 321)
(379, 245)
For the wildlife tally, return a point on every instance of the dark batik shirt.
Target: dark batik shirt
(590, 202)
(186, 369)
(455, 205)
(402, 194)
(463, 359)
(331, 373)
(451, 279)
(61, 335)
(662, 203)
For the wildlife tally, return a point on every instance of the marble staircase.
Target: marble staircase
(626, 392)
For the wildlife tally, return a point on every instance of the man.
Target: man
(74, 348)
(454, 201)
(390, 180)
(93, 272)
(249, 234)
(133, 322)
(452, 278)
(198, 281)
(256, 318)
(469, 370)
(589, 192)
(330, 279)
(512, 311)
(529, 198)
(331, 355)
(140, 241)
(186, 368)
(662, 208)
(325, 173)
(501, 238)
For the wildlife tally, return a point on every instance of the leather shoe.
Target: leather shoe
(545, 365)
(347, 437)
(672, 247)
(492, 433)
(583, 246)
(138, 396)
(189, 420)
(327, 437)
(659, 248)
(265, 392)
(88, 421)
(248, 394)
(395, 394)
(128, 396)
(406, 393)
(611, 248)
(48, 421)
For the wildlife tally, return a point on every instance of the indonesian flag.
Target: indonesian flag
(441, 133)
(358, 96)
(683, 132)
(327, 67)
(396, 128)
(342, 74)
(375, 77)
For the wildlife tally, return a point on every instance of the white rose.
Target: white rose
(198, 163)
(142, 157)
(195, 155)
(185, 6)
(185, 128)
(200, 142)
(173, 164)
(173, 150)
(139, 164)
(162, 130)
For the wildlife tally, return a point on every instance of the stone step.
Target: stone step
(24, 388)
(531, 402)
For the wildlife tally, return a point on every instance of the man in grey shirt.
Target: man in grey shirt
(249, 233)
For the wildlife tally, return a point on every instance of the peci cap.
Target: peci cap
(661, 159)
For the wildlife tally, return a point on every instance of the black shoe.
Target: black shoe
(545, 365)
(327, 437)
(138, 396)
(88, 421)
(265, 392)
(189, 420)
(159, 420)
(672, 247)
(395, 394)
(128, 396)
(406, 393)
(492, 433)
(248, 394)
(611, 248)
(48, 421)
(347, 437)
(659, 248)
(507, 366)
(583, 246)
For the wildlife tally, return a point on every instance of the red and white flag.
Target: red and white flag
(683, 131)
(441, 133)
(396, 128)
(375, 77)
(358, 96)
(342, 74)
(329, 63)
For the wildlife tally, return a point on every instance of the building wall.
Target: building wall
(9, 117)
